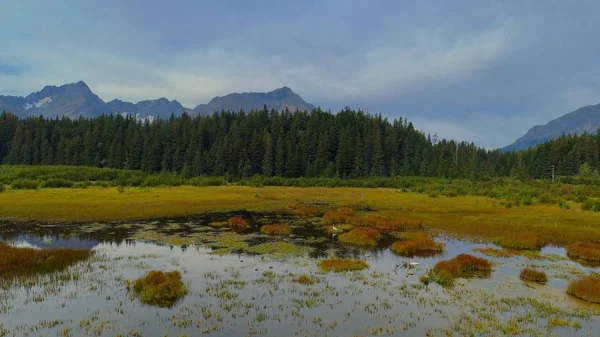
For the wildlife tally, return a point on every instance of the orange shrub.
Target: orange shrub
(304, 279)
(338, 265)
(533, 275)
(362, 236)
(444, 272)
(424, 244)
(586, 288)
(276, 229)
(584, 251)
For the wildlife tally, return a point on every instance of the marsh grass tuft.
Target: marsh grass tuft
(28, 261)
(586, 288)
(584, 251)
(339, 265)
(237, 222)
(276, 229)
(533, 275)
(523, 241)
(419, 245)
(304, 279)
(361, 236)
(444, 272)
(158, 288)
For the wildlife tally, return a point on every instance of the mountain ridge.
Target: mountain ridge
(584, 119)
(77, 99)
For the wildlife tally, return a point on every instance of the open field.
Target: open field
(467, 215)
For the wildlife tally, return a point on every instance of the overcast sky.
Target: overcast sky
(467, 70)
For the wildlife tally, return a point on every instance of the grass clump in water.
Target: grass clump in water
(304, 279)
(340, 215)
(446, 271)
(158, 288)
(533, 275)
(218, 224)
(420, 245)
(237, 222)
(586, 288)
(362, 236)
(339, 265)
(584, 251)
(29, 261)
(276, 229)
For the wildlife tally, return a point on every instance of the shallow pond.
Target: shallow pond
(243, 285)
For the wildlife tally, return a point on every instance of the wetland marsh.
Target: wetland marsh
(244, 282)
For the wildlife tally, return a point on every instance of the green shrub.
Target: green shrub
(25, 184)
(57, 183)
(2, 188)
(564, 205)
(591, 205)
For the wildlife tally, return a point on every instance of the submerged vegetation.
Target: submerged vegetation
(361, 236)
(276, 229)
(584, 251)
(339, 265)
(418, 245)
(446, 271)
(533, 275)
(586, 288)
(158, 288)
(16, 262)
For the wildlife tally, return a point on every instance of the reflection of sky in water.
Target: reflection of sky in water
(101, 289)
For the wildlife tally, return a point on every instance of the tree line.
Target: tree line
(347, 144)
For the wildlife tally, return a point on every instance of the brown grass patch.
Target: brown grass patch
(339, 265)
(340, 215)
(444, 272)
(28, 261)
(158, 288)
(533, 275)
(276, 229)
(237, 222)
(524, 241)
(304, 279)
(584, 251)
(423, 244)
(361, 236)
(586, 288)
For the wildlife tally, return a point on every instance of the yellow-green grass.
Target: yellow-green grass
(15, 262)
(420, 245)
(584, 251)
(361, 236)
(467, 215)
(586, 288)
(528, 241)
(276, 229)
(533, 275)
(339, 265)
(158, 288)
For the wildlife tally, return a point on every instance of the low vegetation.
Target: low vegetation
(158, 288)
(584, 251)
(533, 275)
(304, 279)
(419, 245)
(446, 271)
(16, 262)
(361, 236)
(586, 288)
(237, 222)
(521, 241)
(276, 229)
(339, 265)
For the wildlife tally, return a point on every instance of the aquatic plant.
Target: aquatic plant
(218, 224)
(444, 272)
(586, 288)
(362, 236)
(237, 222)
(303, 279)
(339, 265)
(28, 261)
(584, 251)
(340, 215)
(533, 275)
(412, 235)
(158, 288)
(423, 244)
(276, 229)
